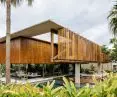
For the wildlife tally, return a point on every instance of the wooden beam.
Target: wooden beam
(54, 31)
(69, 61)
(52, 45)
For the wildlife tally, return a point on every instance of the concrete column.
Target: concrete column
(77, 75)
(43, 71)
(99, 68)
(0, 71)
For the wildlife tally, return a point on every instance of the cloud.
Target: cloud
(86, 17)
(98, 33)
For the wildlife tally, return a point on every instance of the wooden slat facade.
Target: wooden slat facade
(35, 51)
(73, 47)
(15, 51)
(28, 51)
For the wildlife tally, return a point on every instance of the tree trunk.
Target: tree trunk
(8, 29)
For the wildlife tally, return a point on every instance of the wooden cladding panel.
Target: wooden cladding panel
(27, 50)
(34, 51)
(104, 57)
(15, 51)
(2, 54)
(75, 47)
(70, 46)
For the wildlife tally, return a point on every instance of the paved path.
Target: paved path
(96, 74)
(33, 80)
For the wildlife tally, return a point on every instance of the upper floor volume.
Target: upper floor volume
(70, 47)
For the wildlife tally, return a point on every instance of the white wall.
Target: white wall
(106, 66)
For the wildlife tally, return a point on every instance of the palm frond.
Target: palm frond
(112, 17)
(16, 3)
(30, 2)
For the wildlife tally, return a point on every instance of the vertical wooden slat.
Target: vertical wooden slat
(67, 46)
(77, 47)
(73, 46)
(52, 46)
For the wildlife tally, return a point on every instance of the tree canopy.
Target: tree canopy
(17, 2)
(113, 19)
(105, 49)
(113, 54)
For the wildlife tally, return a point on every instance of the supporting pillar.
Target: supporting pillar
(0, 71)
(43, 71)
(52, 45)
(77, 75)
(99, 68)
(26, 71)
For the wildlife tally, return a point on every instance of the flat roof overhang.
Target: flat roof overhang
(38, 29)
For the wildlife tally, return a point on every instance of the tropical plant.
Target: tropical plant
(69, 89)
(113, 19)
(50, 91)
(113, 41)
(106, 88)
(113, 53)
(105, 49)
(2, 70)
(8, 30)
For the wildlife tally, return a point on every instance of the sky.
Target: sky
(86, 17)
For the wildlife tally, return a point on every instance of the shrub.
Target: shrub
(106, 88)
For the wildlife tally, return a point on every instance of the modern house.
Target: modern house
(70, 48)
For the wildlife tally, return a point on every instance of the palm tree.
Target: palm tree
(8, 30)
(113, 19)
(105, 49)
(113, 40)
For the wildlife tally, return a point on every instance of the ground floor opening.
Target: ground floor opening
(80, 74)
(38, 73)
